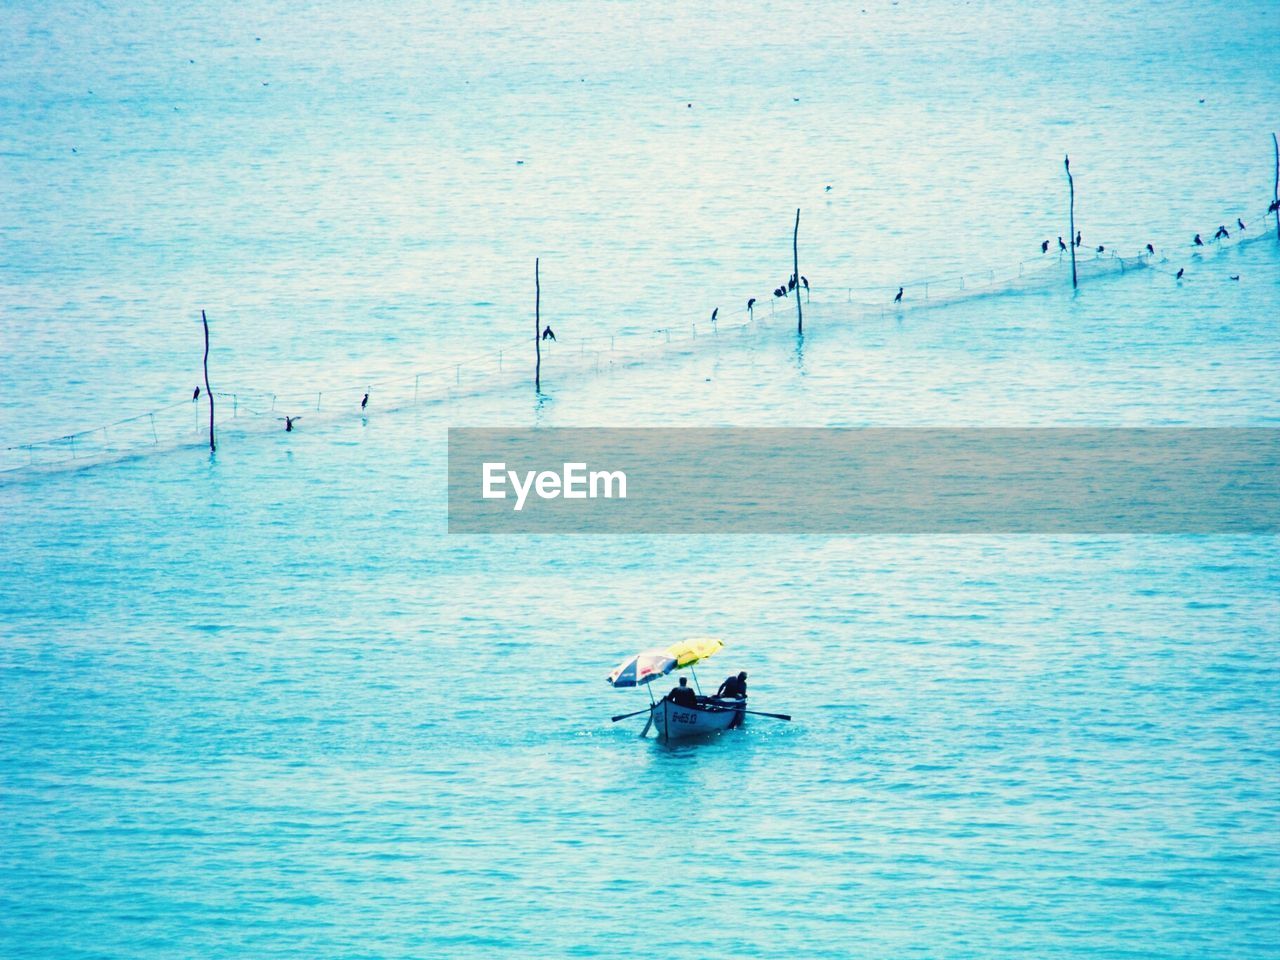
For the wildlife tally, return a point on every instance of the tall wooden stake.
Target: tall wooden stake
(1071, 185)
(208, 390)
(1275, 191)
(537, 328)
(795, 265)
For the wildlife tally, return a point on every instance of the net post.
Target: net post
(795, 266)
(207, 389)
(1071, 187)
(537, 325)
(1275, 190)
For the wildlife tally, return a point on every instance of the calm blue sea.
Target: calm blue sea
(260, 705)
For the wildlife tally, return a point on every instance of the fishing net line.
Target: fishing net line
(253, 410)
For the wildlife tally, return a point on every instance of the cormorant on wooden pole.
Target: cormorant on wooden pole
(795, 264)
(1071, 186)
(207, 389)
(537, 328)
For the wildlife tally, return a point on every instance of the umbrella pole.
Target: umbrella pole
(695, 680)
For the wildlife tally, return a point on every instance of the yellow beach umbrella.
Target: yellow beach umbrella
(690, 651)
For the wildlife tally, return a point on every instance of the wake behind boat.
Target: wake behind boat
(685, 712)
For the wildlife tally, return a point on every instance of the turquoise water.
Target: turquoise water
(260, 705)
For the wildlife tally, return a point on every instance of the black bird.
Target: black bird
(1078, 238)
(777, 291)
(828, 190)
(805, 281)
(288, 423)
(1235, 276)
(1061, 245)
(195, 396)
(898, 296)
(1181, 271)
(1274, 206)
(1101, 248)
(365, 402)
(751, 303)
(1239, 223)
(1044, 247)
(713, 314)
(791, 283)
(1151, 250)
(547, 334)
(1198, 241)
(1222, 233)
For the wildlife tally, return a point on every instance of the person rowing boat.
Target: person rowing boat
(734, 687)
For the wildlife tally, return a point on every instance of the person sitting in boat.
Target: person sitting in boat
(735, 687)
(683, 695)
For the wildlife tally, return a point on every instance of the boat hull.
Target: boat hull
(674, 722)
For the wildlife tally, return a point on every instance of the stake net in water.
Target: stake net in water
(185, 423)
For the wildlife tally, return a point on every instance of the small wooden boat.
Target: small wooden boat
(671, 719)
(675, 722)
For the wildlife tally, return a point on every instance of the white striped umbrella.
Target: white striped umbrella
(643, 668)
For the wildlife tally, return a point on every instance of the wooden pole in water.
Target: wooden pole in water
(537, 328)
(208, 390)
(795, 265)
(1275, 191)
(1071, 185)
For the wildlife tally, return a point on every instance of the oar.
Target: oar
(623, 716)
(776, 716)
(729, 705)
